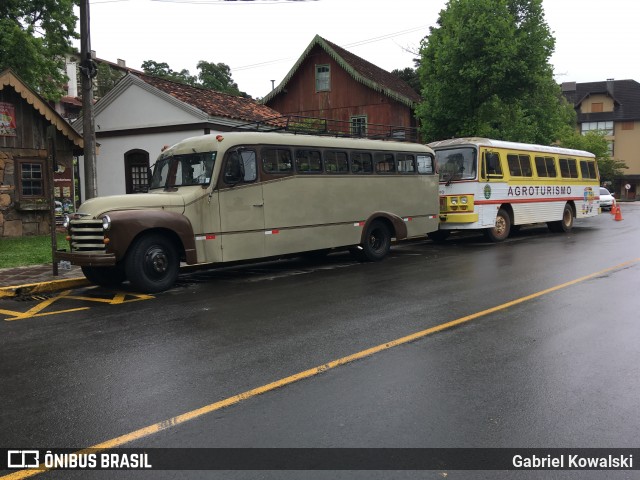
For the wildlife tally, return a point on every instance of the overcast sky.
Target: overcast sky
(261, 40)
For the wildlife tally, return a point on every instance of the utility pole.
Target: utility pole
(88, 72)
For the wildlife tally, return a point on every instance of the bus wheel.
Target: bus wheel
(377, 242)
(152, 263)
(502, 228)
(105, 276)
(564, 225)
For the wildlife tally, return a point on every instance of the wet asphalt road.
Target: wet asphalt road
(556, 370)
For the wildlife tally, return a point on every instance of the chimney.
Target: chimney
(610, 85)
(122, 63)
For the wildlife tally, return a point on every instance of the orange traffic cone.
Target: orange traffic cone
(618, 216)
(613, 208)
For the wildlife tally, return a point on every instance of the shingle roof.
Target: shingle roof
(214, 104)
(9, 78)
(361, 70)
(625, 95)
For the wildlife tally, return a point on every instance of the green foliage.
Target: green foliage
(107, 78)
(485, 72)
(409, 75)
(34, 37)
(595, 142)
(215, 76)
(21, 251)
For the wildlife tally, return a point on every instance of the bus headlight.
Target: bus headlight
(454, 200)
(106, 223)
(464, 200)
(66, 221)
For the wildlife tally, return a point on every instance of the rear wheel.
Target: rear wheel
(501, 230)
(152, 263)
(564, 225)
(377, 242)
(105, 276)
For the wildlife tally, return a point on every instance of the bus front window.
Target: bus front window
(182, 170)
(457, 164)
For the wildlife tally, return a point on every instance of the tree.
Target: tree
(162, 70)
(594, 141)
(35, 35)
(485, 71)
(409, 75)
(215, 76)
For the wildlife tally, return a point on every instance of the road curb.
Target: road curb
(42, 287)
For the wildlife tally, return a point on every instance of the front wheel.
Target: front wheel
(152, 263)
(377, 242)
(501, 230)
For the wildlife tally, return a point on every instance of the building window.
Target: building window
(32, 179)
(359, 126)
(323, 78)
(136, 171)
(628, 125)
(596, 107)
(606, 127)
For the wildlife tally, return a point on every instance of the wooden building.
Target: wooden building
(329, 82)
(28, 181)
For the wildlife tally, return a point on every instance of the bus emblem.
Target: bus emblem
(487, 191)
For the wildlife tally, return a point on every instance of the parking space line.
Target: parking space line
(193, 414)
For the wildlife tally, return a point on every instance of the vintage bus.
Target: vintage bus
(252, 195)
(497, 186)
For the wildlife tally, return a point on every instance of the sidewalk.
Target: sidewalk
(38, 279)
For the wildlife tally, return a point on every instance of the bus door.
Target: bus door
(241, 207)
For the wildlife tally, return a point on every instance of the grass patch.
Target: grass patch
(22, 251)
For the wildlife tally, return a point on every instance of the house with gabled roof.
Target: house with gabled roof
(142, 114)
(37, 150)
(330, 82)
(612, 106)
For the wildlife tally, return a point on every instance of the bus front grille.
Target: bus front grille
(87, 235)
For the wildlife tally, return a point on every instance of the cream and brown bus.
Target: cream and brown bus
(497, 186)
(243, 196)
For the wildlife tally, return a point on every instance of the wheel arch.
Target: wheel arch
(128, 225)
(396, 225)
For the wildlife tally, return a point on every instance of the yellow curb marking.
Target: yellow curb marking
(193, 414)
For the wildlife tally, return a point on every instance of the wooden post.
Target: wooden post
(51, 167)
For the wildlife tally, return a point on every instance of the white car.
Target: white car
(606, 199)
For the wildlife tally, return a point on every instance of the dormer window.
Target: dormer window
(323, 78)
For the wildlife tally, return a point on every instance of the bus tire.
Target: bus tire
(152, 263)
(377, 242)
(501, 230)
(105, 276)
(566, 224)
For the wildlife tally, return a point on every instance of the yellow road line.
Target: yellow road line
(185, 417)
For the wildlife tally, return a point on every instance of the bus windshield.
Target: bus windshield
(457, 164)
(182, 170)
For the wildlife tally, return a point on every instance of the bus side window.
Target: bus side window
(406, 163)
(336, 162)
(385, 162)
(361, 162)
(240, 167)
(277, 160)
(492, 161)
(425, 164)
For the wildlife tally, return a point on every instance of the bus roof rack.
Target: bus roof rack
(298, 124)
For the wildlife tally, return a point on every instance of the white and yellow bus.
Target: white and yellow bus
(251, 195)
(497, 186)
